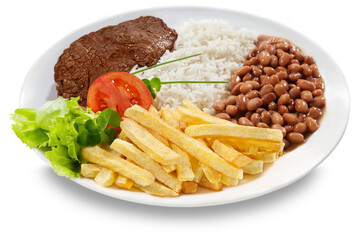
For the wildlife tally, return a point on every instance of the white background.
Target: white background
(35, 203)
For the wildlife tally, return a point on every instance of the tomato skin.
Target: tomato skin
(118, 91)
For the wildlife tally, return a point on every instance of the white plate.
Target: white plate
(39, 87)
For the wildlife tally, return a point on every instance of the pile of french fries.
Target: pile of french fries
(165, 153)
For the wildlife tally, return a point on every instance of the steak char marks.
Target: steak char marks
(141, 41)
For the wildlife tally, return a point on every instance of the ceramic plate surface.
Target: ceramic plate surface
(39, 87)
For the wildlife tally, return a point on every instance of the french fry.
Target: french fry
(184, 170)
(193, 117)
(204, 182)
(266, 157)
(90, 170)
(189, 105)
(169, 168)
(254, 167)
(189, 144)
(169, 116)
(158, 189)
(159, 137)
(143, 160)
(105, 177)
(123, 182)
(123, 136)
(211, 175)
(234, 131)
(110, 160)
(252, 146)
(229, 181)
(189, 187)
(154, 111)
(197, 170)
(149, 144)
(230, 154)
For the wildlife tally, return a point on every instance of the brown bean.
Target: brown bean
(247, 77)
(294, 67)
(319, 101)
(231, 100)
(284, 59)
(241, 102)
(264, 58)
(311, 124)
(314, 112)
(269, 71)
(300, 128)
(319, 83)
(273, 61)
(283, 99)
(268, 98)
(254, 103)
(279, 53)
(309, 60)
(236, 89)
(218, 106)
(223, 116)
(282, 75)
(277, 118)
(245, 121)
(299, 56)
(295, 137)
(293, 49)
(248, 114)
(279, 127)
(262, 125)
(232, 110)
(288, 128)
(279, 90)
(255, 84)
(264, 79)
(245, 88)
(244, 70)
(273, 80)
(317, 92)
(294, 92)
(284, 83)
(283, 45)
(252, 94)
(301, 106)
(265, 117)
(234, 79)
(251, 61)
(307, 96)
(282, 109)
(301, 117)
(255, 118)
(294, 61)
(290, 118)
(260, 110)
(233, 120)
(266, 89)
(256, 71)
(315, 71)
(294, 76)
(306, 70)
(272, 106)
(271, 49)
(290, 105)
(306, 85)
(286, 143)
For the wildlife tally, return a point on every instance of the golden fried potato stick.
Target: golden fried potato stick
(211, 174)
(123, 182)
(110, 160)
(90, 170)
(189, 187)
(197, 170)
(234, 131)
(154, 111)
(148, 143)
(254, 167)
(230, 154)
(105, 177)
(146, 162)
(229, 181)
(184, 170)
(169, 116)
(193, 117)
(169, 168)
(157, 189)
(189, 144)
(253, 146)
(189, 105)
(204, 182)
(266, 157)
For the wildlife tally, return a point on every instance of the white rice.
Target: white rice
(223, 49)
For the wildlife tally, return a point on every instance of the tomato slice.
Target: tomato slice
(118, 91)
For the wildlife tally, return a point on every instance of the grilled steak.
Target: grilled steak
(141, 41)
